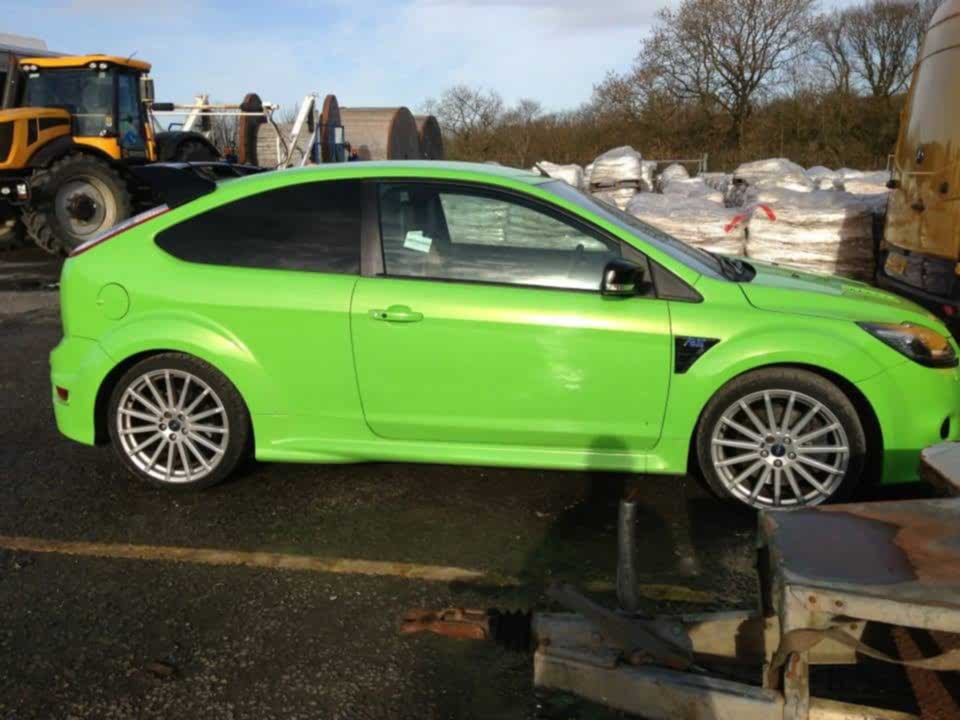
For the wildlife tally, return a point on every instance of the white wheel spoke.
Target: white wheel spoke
(155, 393)
(206, 443)
(205, 414)
(147, 404)
(760, 483)
(146, 443)
(738, 459)
(793, 484)
(788, 412)
(810, 478)
(156, 454)
(805, 420)
(139, 415)
(753, 418)
(169, 383)
(196, 401)
(741, 429)
(777, 479)
(183, 393)
(723, 442)
(207, 429)
(819, 465)
(196, 453)
(771, 417)
(823, 450)
(184, 459)
(140, 429)
(169, 472)
(803, 439)
(745, 474)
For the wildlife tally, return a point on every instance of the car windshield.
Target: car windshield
(84, 93)
(702, 261)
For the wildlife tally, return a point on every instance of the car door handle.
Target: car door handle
(397, 314)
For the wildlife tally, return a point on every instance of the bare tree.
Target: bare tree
(832, 50)
(726, 52)
(464, 111)
(883, 41)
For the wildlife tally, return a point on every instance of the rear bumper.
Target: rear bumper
(79, 366)
(916, 407)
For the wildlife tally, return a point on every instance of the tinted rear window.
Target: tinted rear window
(313, 227)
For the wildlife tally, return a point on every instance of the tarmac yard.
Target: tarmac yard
(278, 595)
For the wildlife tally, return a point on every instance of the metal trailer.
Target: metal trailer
(315, 136)
(895, 563)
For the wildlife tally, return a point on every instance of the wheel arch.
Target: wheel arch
(60, 148)
(101, 407)
(865, 411)
(169, 142)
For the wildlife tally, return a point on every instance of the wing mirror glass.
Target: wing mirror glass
(621, 278)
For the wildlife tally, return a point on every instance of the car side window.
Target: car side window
(312, 227)
(457, 233)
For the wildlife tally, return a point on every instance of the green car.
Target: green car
(472, 314)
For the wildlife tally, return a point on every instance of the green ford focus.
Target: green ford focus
(458, 313)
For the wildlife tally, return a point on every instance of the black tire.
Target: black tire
(194, 151)
(49, 187)
(714, 435)
(237, 422)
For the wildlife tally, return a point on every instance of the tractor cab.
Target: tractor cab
(98, 101)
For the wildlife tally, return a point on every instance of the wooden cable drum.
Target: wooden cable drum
(431, 139)
(269, 152)
(330, 120)
(381, 133)
(247, 130)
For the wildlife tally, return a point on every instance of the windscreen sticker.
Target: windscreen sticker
(416, 240)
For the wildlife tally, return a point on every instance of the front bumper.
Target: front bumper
(80, 366)
(14, 189)
(916, 407)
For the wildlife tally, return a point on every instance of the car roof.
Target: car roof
(423, 168)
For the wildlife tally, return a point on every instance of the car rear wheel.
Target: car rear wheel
(781, 439)
(177, 422)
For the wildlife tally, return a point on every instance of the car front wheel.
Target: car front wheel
(781, 439)
(177, 422)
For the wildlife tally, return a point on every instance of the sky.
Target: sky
(367, 52)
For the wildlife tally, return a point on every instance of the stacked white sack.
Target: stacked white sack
(587, 174)
(673, 172)
(823, 231)
(823, 178)
(870, 187)
(619, 197)
(616, 167)
(570, 174)
(693, 220)
(691, 187)
(717, 181)
(648, 171)
(774, 174)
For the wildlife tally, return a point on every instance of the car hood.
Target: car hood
(783, 289)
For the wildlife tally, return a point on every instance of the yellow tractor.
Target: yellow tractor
(71, 130)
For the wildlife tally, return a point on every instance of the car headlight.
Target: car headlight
(918, 343)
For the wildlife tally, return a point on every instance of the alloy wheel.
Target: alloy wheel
(172, 426)
(780, 449)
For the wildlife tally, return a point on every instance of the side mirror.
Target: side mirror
(146, 89)
(621, 278)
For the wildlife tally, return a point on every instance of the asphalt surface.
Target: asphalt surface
(94, 637)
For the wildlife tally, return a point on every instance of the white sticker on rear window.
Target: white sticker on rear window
(416, 240)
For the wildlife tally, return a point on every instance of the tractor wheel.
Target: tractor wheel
(194, 151)
(74, 199)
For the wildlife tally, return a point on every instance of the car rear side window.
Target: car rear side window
(312, 227)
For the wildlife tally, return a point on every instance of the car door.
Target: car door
(486, 325)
